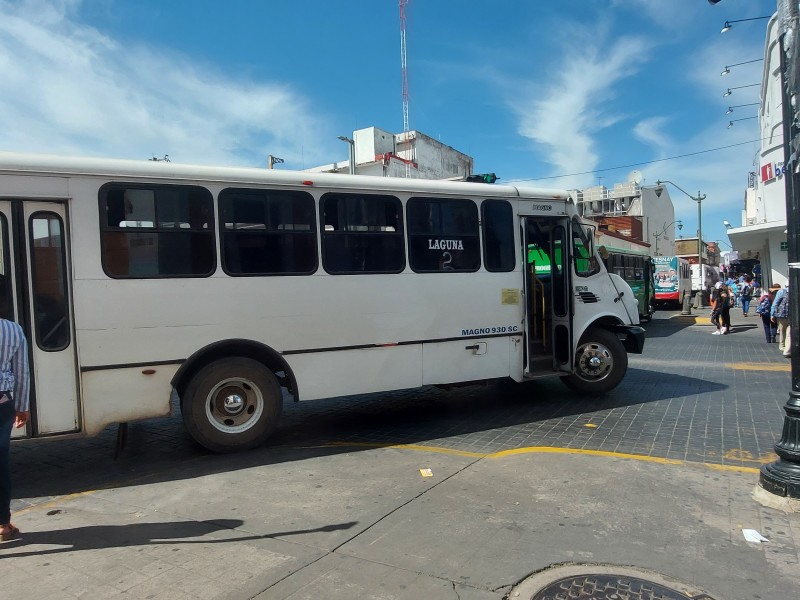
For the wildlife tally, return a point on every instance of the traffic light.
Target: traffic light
(482, 178)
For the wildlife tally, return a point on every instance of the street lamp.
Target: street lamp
(699, 199)
(729, 91)
(730, 108)
(727, 69)
(728, 24)
(351, 153)
(664, 231)
(730, 123)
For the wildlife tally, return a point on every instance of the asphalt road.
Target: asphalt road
(690, 397)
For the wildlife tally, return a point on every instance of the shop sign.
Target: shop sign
(770, 171)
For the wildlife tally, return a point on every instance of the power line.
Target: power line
(639, 164)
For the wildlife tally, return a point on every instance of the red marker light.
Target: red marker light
(308, 182)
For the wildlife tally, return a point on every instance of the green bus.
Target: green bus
(637, 269)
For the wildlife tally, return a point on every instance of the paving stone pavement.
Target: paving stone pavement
(702, 413)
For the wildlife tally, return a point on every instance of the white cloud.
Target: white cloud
(563, 115)
(66, 87)
(651, 131)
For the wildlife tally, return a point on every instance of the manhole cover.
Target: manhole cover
(603, 582)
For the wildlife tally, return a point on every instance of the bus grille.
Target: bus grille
(587, 297)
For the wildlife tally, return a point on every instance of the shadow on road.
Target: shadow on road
(97, 537)
(163, 451)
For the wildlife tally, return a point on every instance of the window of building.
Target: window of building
(362, 234)
(443, 235)
(267, 232)
(498, 236)
(151, 231)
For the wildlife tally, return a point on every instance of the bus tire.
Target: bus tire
(600, 363)
(232, 404)
(651, 309)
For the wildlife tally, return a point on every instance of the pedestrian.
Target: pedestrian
(747, 294)
(721, 314)
(764, 310)
(726, 300)
(734, 289)
(780, 316)
(14, 411)
(715, 307)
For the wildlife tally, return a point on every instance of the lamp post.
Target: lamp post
(729, 91)
(351, 153)
(664, 230)
(727, 69)
(699, 199)
(730, 108)
(728, 24)
(730, 123)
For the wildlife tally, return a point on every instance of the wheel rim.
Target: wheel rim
(594, 361)
(234, 405)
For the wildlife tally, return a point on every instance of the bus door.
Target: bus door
(548, 295)
(35, 292)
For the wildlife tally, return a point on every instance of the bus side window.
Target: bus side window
(361, 233)
(498, 236)
(443, 235)
(267, 232)
(156, 231)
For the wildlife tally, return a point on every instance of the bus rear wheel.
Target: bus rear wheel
(232, 404)
(600, 363)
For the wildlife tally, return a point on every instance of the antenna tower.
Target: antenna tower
(403, 68)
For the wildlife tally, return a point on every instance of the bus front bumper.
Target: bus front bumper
(632, 337)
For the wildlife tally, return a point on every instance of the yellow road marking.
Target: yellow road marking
(744, 366)
(545, 450)
(449, 451)
(54, 502)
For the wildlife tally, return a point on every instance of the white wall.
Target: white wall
(658, 215)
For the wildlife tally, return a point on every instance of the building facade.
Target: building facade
(762, 233)
(643, 214)
(413, 155)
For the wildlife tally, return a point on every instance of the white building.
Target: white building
(643, 213)
(413, 155)
(762, 233)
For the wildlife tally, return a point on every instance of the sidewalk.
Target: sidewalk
(360, 521)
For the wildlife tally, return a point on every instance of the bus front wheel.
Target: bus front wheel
(600, 363)
(232, 404)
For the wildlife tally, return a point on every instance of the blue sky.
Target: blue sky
(567, 93)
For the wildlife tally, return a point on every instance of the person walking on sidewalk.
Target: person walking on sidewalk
(721, 316)
(715, 307)
(14, 411)
(747, 295)
(780, 316)
(733, 289)
(764, 310)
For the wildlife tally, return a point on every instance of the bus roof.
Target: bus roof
(42, 164)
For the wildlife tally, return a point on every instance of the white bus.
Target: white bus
(137, 280)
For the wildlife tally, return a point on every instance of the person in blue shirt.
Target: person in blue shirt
(14, 411)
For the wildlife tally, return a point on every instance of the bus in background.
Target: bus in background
(638, 270)
(221, 288)
(673, 279)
